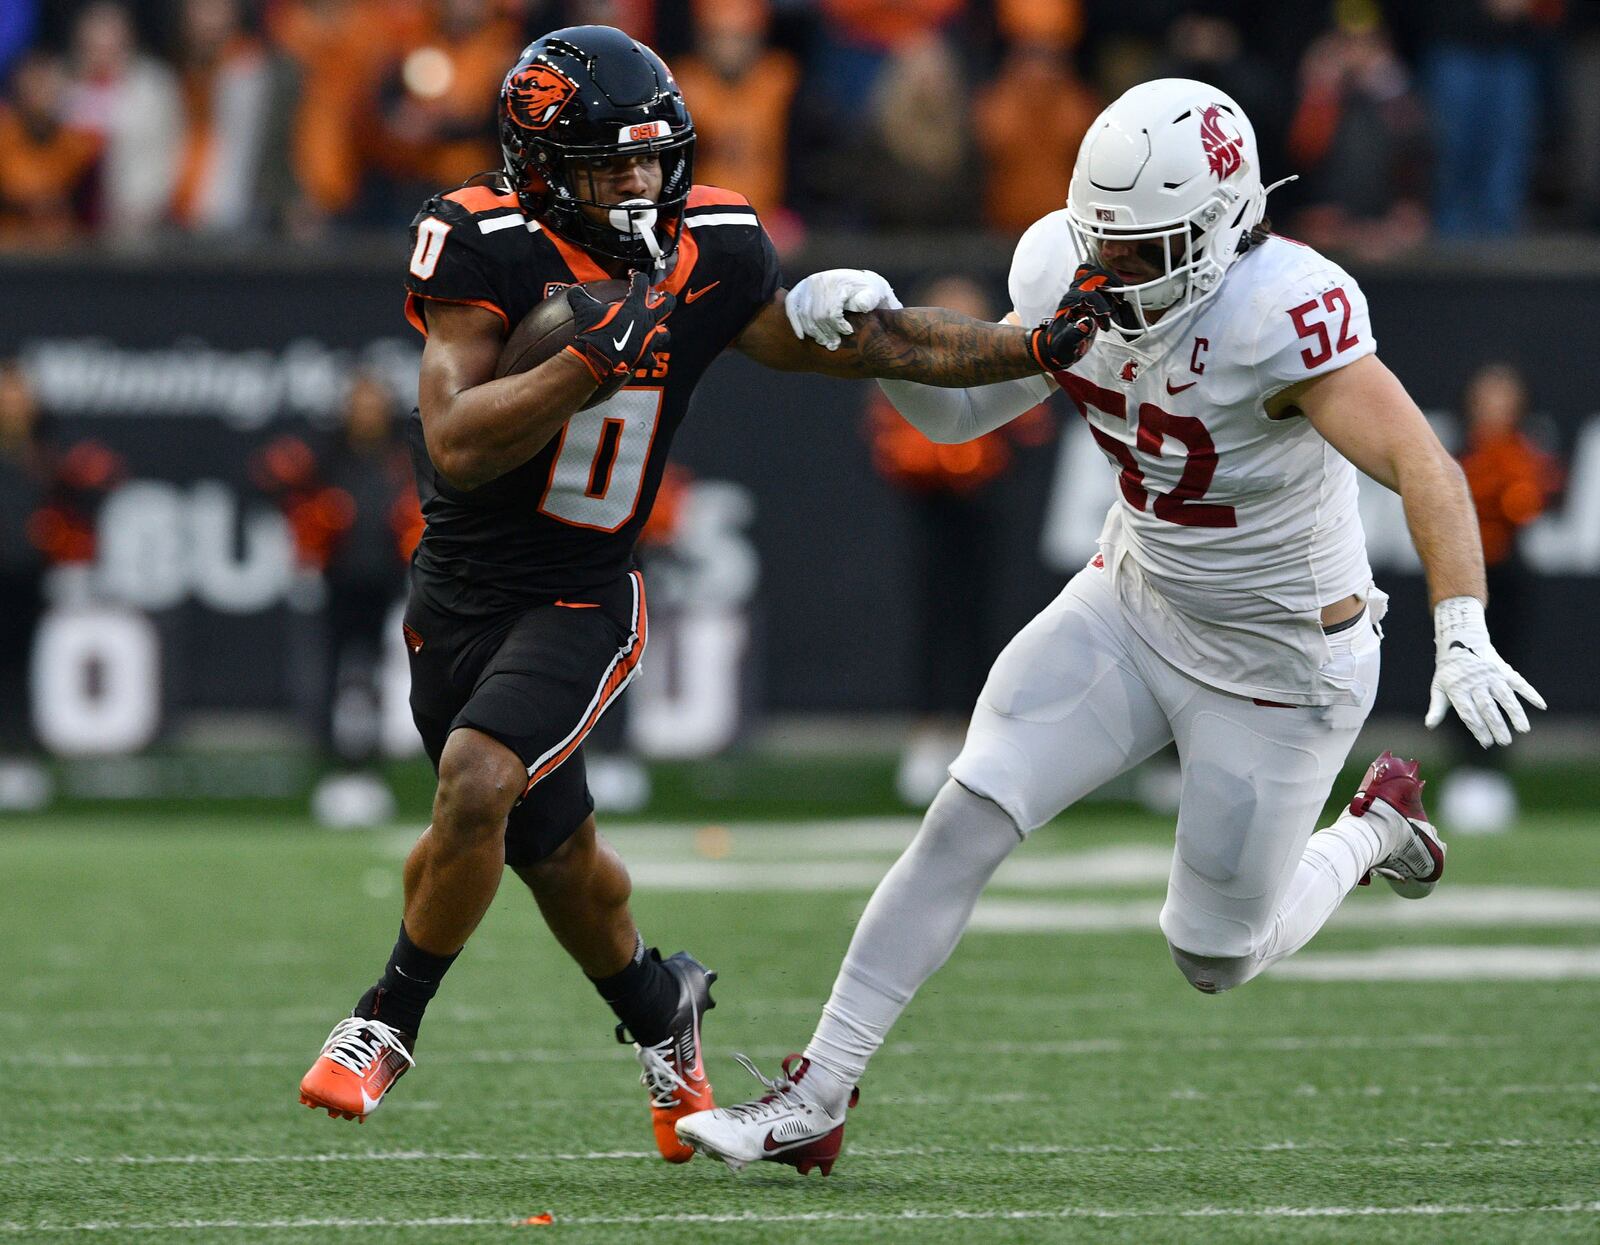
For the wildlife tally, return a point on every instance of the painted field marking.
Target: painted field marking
(1067, 1046)
(1431, 1210)
(611, 1156)
(847, 855)
(1431, 1090)
(670, 840)
(1463, 907)
(1110, 866)
(1447, 964)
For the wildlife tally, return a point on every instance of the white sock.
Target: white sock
(910, 927)
(1335, 861)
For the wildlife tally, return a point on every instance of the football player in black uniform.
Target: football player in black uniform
(526, 618)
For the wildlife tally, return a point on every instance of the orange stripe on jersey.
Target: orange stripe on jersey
(620, 674)
(418, 322)
(584, 268)
(688, 254)
(482, 199)
(711, 196)
(578, 261)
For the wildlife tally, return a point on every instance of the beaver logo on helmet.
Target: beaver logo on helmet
(1221, 148)
(536, 95)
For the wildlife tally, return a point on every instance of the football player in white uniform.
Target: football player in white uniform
(1233, 386)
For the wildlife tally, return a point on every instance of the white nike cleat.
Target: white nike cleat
(1414, 868)
(782, 1126)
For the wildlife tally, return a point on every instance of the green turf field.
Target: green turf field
(166, 985)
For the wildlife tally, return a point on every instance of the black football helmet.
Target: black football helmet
(592, 93)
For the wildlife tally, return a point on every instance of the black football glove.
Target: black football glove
(1085, 309)
(611, 338)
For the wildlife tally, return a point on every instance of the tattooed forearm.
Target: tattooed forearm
(938, 347)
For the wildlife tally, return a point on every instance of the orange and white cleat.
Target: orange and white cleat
(359, 1062)
(674, 1070)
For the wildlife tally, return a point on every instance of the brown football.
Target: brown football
(547, 330)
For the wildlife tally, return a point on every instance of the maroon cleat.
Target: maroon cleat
(1414, 867)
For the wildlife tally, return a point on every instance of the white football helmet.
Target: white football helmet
(1173, 162)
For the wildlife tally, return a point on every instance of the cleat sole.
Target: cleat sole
(334, 1113)
(711, 1152)
(1407, 890)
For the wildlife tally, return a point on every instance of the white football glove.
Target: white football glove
(1472, 677)
(817, 305)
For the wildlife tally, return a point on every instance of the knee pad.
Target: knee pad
(961, 823)
(1213, 974)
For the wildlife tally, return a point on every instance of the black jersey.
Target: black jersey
(566, 520)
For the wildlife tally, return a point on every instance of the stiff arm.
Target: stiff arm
(928, 345)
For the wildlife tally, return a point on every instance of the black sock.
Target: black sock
(409, 982)
(644, 995)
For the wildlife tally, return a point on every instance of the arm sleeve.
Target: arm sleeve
(952, 415)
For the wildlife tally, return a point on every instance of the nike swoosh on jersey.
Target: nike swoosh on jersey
(690, 295)
(620, 342)
(1171, 388)
(579, 605)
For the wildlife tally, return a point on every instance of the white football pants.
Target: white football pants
(1078, 697)
(1074, 700)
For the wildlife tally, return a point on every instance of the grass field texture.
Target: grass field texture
(1422, 1072)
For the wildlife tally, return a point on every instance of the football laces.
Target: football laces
(659, 1076)
(775, 1101)
(355, 1043)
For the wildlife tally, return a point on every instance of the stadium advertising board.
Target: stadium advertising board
(785, 584)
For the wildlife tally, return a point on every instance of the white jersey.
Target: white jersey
(1231, 530)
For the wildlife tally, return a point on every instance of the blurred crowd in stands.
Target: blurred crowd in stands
(132, 120)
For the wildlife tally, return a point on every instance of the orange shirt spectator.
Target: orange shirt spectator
(226, 95)
(1056, 22)
(1511, 479)
(1029, 122)
(44, 163)
(910, 461)
(739, 91)
(888, 23)
(343, 48)
(437, 127)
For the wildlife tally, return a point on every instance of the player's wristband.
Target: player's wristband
(1459, 620)
(598, 364)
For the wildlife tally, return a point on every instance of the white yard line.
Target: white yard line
(1080, 1046)
(1427, 1090)
(687, 871)
(1448, 964)
(868, 1152)
(666, 840)
(1431, 1210)
(1463, 907)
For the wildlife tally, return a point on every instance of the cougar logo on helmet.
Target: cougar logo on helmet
(536, 96)
(1222, 149)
